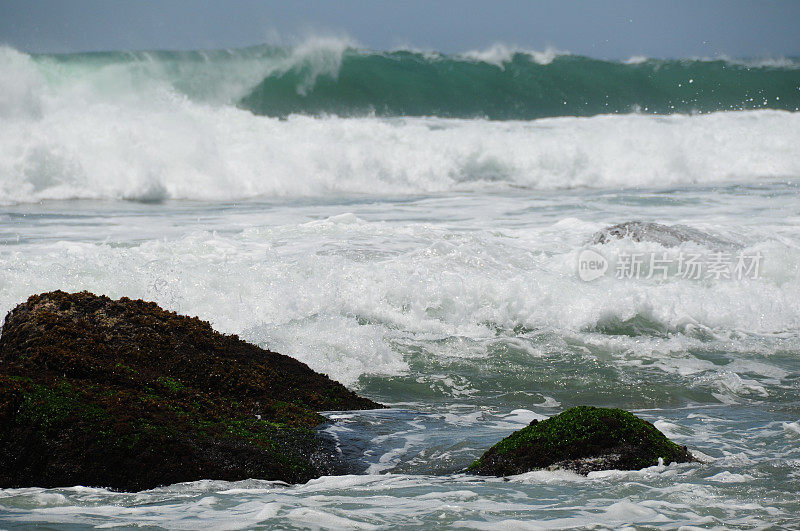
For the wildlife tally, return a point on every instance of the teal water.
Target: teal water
(332, 78)
(411, 225)
(519, 88)
(464, 312)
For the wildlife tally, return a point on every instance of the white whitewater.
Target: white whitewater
(430, 264)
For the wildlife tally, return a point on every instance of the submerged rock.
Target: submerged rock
(666, 235)
(582, 439)
(126, 395)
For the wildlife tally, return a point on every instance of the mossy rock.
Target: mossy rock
(126, 395)
(582, 439)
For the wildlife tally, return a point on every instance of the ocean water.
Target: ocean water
(410, 224)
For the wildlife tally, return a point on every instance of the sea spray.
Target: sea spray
(430, 262)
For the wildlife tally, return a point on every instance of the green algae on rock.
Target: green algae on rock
(126, 395)
(582, 439)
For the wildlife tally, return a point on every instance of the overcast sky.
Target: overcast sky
(613, 29)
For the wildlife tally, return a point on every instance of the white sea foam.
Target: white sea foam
(636, 60)
(499, 54)
(792, 429)
(730, 477)
(119, 136)
(464, 305)
(315, 57)
(760, 62)
(340, 292)
(20, 82)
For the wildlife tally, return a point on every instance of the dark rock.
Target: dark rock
(126, 395)
(666, 235)
(582, 439)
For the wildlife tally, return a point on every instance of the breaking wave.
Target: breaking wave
(174, 125)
